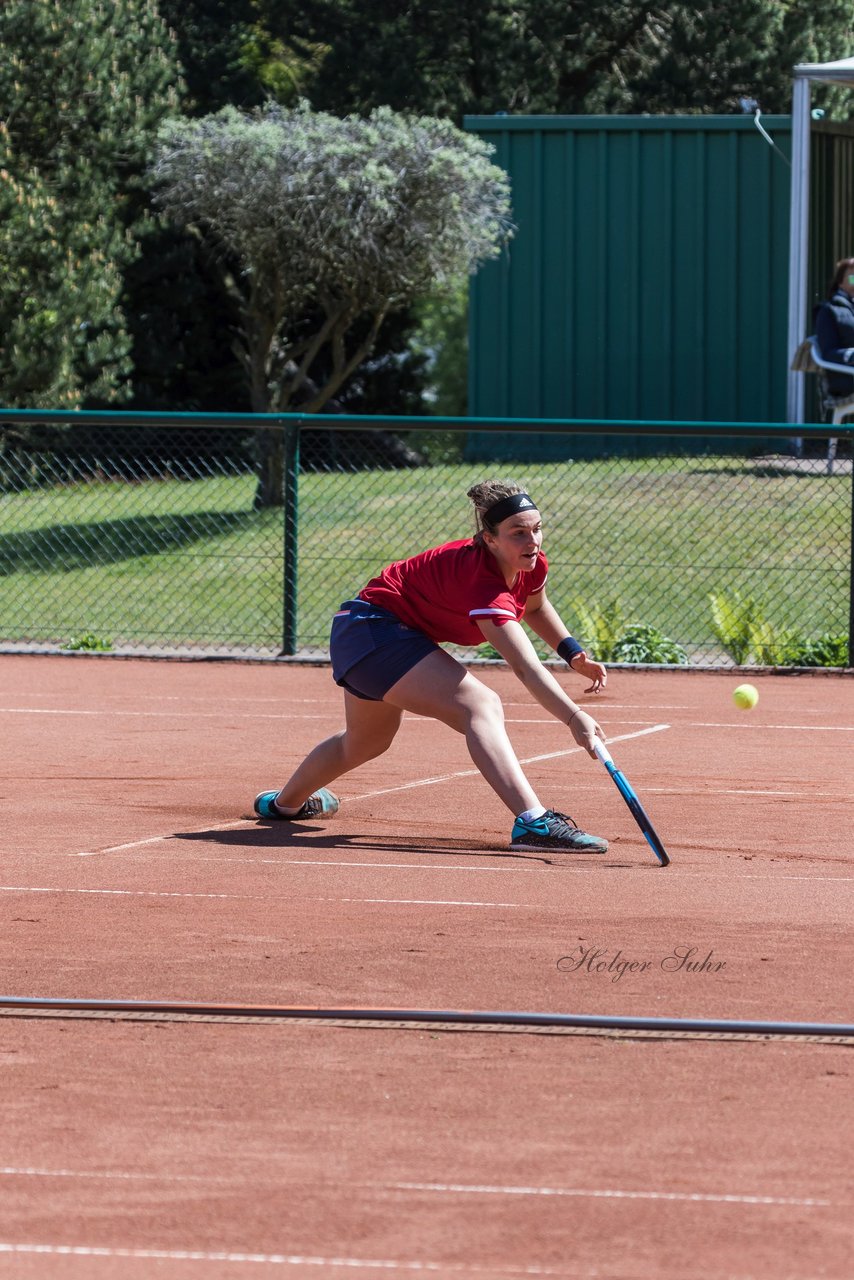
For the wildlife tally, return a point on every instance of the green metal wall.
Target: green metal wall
(831, 226)
(648, 277)
(831, 201)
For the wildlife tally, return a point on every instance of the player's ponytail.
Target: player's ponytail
(486, 495)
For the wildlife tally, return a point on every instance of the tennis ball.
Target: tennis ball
(745, 696)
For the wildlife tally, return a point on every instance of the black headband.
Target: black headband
(508, 507)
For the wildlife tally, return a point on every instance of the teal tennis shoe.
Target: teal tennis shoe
(554, 832)
(320, 804)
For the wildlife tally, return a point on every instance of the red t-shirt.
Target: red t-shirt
(444, 591)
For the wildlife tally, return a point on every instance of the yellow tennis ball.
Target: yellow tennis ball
(745, 696)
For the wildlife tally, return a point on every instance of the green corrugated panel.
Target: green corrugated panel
(648, 276)
(831, 216)
(831, 202)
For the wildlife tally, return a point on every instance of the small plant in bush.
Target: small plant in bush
(89, 642)
(643, 643)
(779, 647)
(824, 651)
(774, 647)
(732, 619)
(598, 627)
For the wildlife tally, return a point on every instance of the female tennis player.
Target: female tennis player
(385, 654)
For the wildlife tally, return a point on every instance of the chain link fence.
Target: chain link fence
(151, 534)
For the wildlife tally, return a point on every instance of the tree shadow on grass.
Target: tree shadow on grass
(778, 467)
(63, 547)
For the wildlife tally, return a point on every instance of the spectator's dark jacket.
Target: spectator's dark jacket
(834, 328)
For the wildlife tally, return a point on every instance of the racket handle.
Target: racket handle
(602, 751)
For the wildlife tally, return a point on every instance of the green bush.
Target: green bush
(733, 617)
(775, 647)
(90, 643)
(598, 628)
(644, 643)
(824, 651)
(741, 626)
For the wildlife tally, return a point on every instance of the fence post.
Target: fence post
(851, 569)
(290, 525)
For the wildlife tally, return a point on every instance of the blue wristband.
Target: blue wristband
(568, 649)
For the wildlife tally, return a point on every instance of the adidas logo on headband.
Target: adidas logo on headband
(508, 507)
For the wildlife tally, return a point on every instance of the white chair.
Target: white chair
(839, 407)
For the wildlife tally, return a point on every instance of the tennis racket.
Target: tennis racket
(637, 810)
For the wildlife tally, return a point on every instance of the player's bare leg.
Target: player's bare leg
(370, 730)
(440, 687)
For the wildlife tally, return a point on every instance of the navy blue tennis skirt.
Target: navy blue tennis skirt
(371, 649)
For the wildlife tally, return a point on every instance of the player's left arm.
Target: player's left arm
(517, 651)
(544, 620)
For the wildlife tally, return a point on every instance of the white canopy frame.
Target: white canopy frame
(841, 72)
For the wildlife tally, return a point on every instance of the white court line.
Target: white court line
(426, 902)
(388, 902)
(136, 844)
(743, 791)
(279, 1259)
(206, 697)
(450, 1188)
(549, 720)
(117, 714)
(126, 893)
(409, 717)
(262, 897)
(599, 707)
(797, 728)
(828, 879)
(514, 869)
(120, 1175)
(606, 1194)
(474, 773)
(368, 795)
(620, 737)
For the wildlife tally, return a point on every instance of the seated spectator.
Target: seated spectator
(834, 327)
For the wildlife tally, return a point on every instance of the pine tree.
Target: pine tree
(84, 84)
(709, 57)
(451, 57)
(810, 33)
(215, 44)
(442, 57)
(37, 342)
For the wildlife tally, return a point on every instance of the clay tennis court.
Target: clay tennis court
(184, 1146)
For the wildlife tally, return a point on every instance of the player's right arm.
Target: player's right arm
(543, 619)
(517, 651)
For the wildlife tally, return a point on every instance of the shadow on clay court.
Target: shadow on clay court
(310, 841)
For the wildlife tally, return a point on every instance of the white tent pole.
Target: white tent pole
(798, 240)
